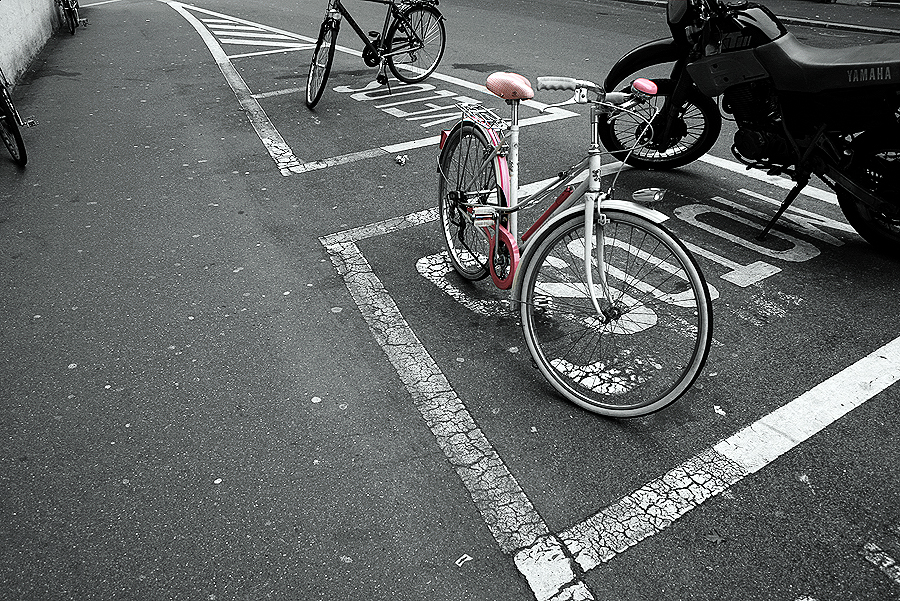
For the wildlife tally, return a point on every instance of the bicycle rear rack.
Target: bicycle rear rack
(484, 116)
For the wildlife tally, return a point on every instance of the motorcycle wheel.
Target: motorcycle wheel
(694, 133)
(875, 166)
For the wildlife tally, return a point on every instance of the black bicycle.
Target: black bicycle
(410, 44)
(10, 121)
(70, 14)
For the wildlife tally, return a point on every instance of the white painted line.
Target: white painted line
(884, 562)
(243, 42)
(273, 51)
(509, 514)
(775, 180)
(278, 149)
(655, 506)
(98, 3)
(252, 35)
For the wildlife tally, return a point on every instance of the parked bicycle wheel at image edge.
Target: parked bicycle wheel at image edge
(9, 128)
(647, 346)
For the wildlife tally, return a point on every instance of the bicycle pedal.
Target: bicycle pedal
(82, 22)
(374, 34)
(29, 122)
(381, 79)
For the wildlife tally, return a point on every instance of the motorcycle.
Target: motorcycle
(799, 110)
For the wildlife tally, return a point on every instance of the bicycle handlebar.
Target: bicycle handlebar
(640, 87)
(565, 83)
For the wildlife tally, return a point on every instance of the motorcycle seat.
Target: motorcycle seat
(510, 86)
(796, 67)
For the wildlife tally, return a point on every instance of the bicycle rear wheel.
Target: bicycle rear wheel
(9, 129)
(419, 38)
(465, 177)
(647, 347)
(71, 14)
(320, 65)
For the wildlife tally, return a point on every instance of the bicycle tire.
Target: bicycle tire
(319, 69)
(461, 157)
(695, 131)
(626, 366)
(71, 17)
(427, 25)
(9, 129)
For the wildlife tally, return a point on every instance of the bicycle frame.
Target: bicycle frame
(587, 196)
(392, 13)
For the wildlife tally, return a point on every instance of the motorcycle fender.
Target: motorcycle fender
(624, 206)
(660, 51)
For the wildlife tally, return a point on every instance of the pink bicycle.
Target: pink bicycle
(615, 310)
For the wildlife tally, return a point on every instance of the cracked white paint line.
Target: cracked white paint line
(656, 505)
(278, 149)
(507, 511)
(884, 562)
(554, 563)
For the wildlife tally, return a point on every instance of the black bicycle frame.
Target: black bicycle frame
(392, 13)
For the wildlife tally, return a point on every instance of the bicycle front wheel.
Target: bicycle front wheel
(9, 129)
(415, 43)
(320, 66)
(649, 343)
(467, 176)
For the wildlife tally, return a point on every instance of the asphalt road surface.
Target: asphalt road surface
(234, 365)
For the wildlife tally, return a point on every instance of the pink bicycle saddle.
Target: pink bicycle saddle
(510, 86)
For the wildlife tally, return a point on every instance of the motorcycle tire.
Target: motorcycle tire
(695, 132)
(876, 167)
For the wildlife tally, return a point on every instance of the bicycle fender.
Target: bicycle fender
(500, 163)
(623, 206)
(664, 50)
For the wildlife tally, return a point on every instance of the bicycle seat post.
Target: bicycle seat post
(513, 162)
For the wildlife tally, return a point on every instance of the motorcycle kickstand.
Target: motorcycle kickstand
(795, 191)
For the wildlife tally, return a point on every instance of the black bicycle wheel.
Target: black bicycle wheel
(651, 339)
(320, 65)
(465, 178)
(71, 17)
(9, 129)
(692, 133)
(415, 43)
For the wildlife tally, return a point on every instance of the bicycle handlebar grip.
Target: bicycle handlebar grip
(617, 97)
(556, 83)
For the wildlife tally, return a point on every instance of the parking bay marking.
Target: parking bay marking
(511, 517)
(541, 556)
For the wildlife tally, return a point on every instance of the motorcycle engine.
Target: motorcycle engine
(760, 138)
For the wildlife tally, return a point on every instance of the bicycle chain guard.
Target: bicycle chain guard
(504, 258)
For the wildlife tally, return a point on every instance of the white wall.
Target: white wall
(25, 26)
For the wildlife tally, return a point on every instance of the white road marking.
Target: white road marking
(541, 556)
(544, 557)
(884, 562)
(775, 180)
(507, 511)
(655, 506)
(278, 149)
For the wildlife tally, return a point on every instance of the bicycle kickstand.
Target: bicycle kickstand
(382, 76)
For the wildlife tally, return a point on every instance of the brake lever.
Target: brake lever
(572, 100)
